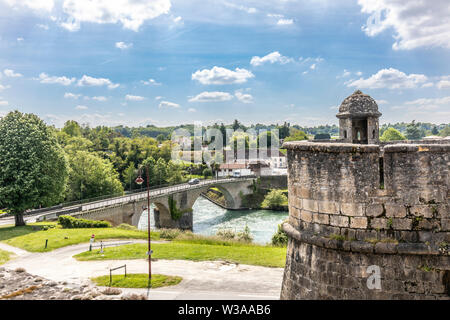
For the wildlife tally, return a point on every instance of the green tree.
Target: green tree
(91, 176)
(33, 168)
(391, 134)
(160, 174)
(414, 131)
(207, 173)
(129, 175)
(174, 173)
(445, 132)
(72, 128)
(296, 135)
(434, 131)
(274, 199)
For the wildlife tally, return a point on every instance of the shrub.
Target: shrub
(126, 226)
(280, 238)
(169, 234)
(207, 172)
(245, 235)
(274, 200)
(69, 222)
(226, 234)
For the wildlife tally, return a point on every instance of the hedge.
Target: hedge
(69, 222)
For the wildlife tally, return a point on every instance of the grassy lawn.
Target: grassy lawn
(139, 280)
(34, 241)
(4, 256)
(266, 256)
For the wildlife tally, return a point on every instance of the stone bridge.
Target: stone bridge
(173, 204)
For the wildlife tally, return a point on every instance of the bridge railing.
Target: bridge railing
(159, 191)
(136, 194)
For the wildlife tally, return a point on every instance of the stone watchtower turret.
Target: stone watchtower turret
(358, 119)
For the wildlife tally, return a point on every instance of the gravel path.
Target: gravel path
(201, 280)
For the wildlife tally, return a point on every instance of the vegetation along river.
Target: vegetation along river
(208, 218)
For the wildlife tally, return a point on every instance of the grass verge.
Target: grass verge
(266, 256)
(4, 256)
(34, 241)
(138, 280)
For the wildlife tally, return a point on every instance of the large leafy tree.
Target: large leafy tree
(91, 176)
(391, 134)
(33, 168)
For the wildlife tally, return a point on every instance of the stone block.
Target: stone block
(379, 223)
(321, 218)
(445, 224)
(374, 210)
(339, 221)
(329, 207)
(352, 209)
(358, 222)
(401, 224)
(306, 215)
(310, 205)
(425, 211)
(395, 210)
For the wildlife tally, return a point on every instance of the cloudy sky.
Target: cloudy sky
(164, 62)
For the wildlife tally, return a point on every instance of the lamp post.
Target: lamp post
(139, 181)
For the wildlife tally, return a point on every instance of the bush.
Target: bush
(280, 238)
(245, 235)
(275, 199)
(126, 226)
(207, 172)
(391, 134)
(169, 234)
(69, 222)
(226, 234)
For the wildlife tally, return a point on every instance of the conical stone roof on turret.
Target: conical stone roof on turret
(358, 105)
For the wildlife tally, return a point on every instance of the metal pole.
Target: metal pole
(148, 228)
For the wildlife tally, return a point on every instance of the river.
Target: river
(208, 218)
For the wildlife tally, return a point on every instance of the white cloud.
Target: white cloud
(80, 107)
(10, 73)
(243, 97)
(69, 95)
(70, 25)
(151, 82)
(313, 66)
(130, 13)
(241, 7)
(123, 46)
(382, 101)
(416, 23)
(430, 101)
(100, 98)
(42, 26)
(45, 78)
(177, 19)
(271, 58)
(3, 103)
(158, 98)
(4, 87)
(96, 82)
(275, 15)
(44, 5)
(215, 96)
(389, 78)
(444, 83)
(20, 39)
(129, 97)
(285, 22)
(192, 110)
(167, 104)
(428, 85)
(218, 75)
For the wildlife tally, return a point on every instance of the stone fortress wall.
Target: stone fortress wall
(355, 207)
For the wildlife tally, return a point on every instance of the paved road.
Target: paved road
(208, 280)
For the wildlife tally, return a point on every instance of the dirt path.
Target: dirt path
(201, 280)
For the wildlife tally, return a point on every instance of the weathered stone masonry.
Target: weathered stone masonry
(350, 210)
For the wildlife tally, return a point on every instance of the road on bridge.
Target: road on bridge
(33, 217)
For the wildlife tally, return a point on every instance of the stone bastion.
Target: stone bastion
(367, 221)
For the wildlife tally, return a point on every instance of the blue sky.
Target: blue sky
(167, 62)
